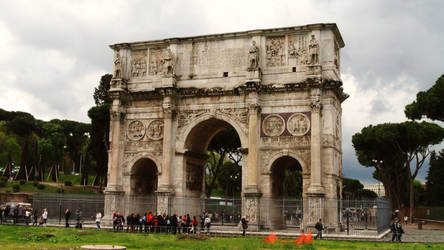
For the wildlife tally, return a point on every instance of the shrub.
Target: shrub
(60, 190)
(15, 188)
(2, 183)
(4, 178)
(41, 186)
(8, 191)
(35, 183)
(68, 183)
(22, 182)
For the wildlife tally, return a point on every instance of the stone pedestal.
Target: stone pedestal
(163, 202)
(254, 76)
(168, 82)
(251, 208)
(113, 203)
(314, 70)
(313, 210)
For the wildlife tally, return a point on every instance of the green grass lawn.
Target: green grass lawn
(30, 187)
(21, 237)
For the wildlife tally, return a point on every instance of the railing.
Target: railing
(354, 217)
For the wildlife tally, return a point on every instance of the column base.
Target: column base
(113, 203)
(313, 210)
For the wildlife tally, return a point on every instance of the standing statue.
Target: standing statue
(313, 50)
(253, 57)
(117, 66)
(168, 63)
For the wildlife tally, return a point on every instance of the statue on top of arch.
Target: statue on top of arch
(168, 63)
(253, 57)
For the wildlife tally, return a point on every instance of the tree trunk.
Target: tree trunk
(412, 198)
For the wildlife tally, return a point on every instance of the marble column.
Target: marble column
(251, 205)
(114, 191)
(164, 187)
(315, 198)
(315, 149)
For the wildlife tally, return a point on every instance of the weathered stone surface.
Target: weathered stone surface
(280, 89)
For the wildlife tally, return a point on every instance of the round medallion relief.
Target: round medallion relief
(155, 130)
(136, 130)
(298, 124)
(273, 125)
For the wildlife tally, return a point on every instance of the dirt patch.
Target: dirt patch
(197, 237)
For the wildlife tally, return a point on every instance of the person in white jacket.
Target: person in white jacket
(98, 219)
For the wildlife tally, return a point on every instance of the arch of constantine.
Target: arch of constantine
(281, 91)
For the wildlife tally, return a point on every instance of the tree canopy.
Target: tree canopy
(429, 103)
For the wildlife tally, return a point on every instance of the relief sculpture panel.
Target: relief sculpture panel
(298, 124)
(273, 125)
(275, 51)
(135, 130)
(138, 63)
(298, 49)
(155, 67)
(155, 130)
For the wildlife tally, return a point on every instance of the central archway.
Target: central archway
(208, 146)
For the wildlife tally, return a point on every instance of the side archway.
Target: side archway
(143, 177)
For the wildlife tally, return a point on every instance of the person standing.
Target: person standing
(98, 219)
(79, 218)
(27, 216)
(397, 230)
(45, 216)
(244, 225)
(207, 223)
(67, 215)
(319, 227)
(35, 218)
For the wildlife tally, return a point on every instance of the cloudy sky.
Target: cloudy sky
(52, 53)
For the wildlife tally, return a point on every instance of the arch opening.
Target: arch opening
(144, 177)
(286, 189)
(213, 169)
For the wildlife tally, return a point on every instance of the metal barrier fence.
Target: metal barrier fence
(56, 204)
(355, 217)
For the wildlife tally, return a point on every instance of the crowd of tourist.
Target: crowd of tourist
(18, 213)
(152, 223)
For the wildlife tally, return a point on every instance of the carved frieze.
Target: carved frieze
(287, 141)
(187, 116)
(155, 130)
(240, 115)
(273, 125)
(147, 146)
(138, 63)
(275, 51)
(135, 130)
(298, 48)
(298, 124)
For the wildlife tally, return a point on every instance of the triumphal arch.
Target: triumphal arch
(280, 89)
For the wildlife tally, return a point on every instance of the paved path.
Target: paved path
(415, 235)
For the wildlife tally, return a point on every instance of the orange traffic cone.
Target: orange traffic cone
(300, 240)
(272, 238)
(308, 238)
